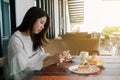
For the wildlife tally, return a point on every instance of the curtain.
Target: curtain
(48, 6)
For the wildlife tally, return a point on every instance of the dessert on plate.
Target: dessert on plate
(95, 61)
(83, 67)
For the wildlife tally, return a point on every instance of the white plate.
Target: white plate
(92, 69)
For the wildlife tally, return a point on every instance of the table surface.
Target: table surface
(109, 71)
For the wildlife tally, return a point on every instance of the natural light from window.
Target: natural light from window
(99, 14)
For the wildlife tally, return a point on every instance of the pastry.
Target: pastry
(97, 62)
(85, 67)
(92, 61)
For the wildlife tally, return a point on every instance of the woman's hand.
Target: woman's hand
(65, 55)
(50, 60)
(57, 58)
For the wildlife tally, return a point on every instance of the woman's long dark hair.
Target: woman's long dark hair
(29, 20)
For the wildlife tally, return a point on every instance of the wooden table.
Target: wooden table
(109, 71)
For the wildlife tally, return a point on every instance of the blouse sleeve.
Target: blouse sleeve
(37, 64)
(18, 58)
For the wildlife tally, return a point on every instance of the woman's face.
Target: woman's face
(39, 25)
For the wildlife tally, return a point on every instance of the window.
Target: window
(5, 25)
(48, 6)
(76, 11)
(71, 15)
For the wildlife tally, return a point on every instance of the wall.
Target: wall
(21, 7)
(100, 13)
(92, 15)
(21, 10)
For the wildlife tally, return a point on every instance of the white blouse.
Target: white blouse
(21, 55)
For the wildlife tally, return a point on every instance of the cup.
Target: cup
(84, 56)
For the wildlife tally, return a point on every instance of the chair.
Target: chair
(84, 44)
(75, 35)
(3, 62)
(74, 45)
(55, 46)
(96, 35)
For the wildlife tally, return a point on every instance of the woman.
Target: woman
(25, 52)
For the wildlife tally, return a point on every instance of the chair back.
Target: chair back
(55, 46)
(84, 44)
(3, 62)
(76, 35)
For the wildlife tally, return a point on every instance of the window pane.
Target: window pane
(6, 19)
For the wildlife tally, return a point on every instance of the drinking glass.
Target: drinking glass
(84, 56)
